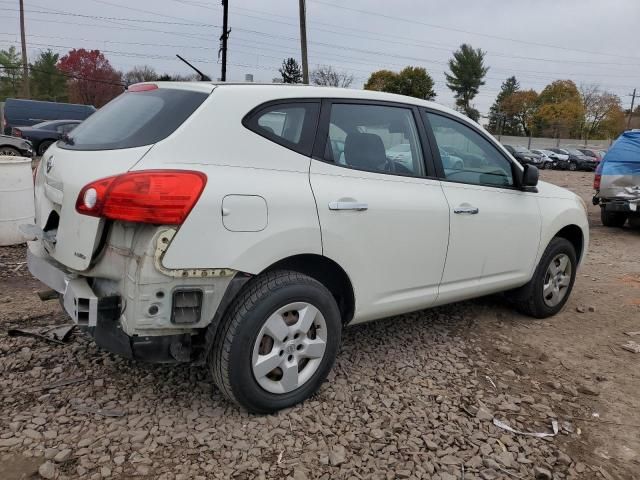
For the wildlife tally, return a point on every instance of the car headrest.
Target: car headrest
(364, 150)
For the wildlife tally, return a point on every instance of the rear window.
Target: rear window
(135, 119)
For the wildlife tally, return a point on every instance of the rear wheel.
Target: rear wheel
(278, 343)
(43, 147)
(634, 221)
(612, 219)
(549, 289)
(9, 151)
(573, 166)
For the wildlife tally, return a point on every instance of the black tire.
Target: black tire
(230, 360)
(9, 151)
(529, 299)
(634, 221)
(42, 148)
(612, 219)
(573, 166)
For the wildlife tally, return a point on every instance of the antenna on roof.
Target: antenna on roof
(203, 77)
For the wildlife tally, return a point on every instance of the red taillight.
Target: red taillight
(596, 181)
(16, 133)
(148, 196)
(142, 87)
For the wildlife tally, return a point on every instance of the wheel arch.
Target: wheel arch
(573, 233)
(327, 272)
(318, 267)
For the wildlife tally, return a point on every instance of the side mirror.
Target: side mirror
(530, 176)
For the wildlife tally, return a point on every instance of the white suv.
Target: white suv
(243, 226)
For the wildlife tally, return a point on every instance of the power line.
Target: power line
(459, 30)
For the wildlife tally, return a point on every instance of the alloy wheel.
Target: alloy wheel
(289, 347)
(557, 280)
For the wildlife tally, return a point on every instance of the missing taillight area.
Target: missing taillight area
(163, 197)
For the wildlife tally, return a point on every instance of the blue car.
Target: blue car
(41, 135)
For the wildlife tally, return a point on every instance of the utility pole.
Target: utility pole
(223, 39)
(633, 99)
(25, 65)
(303, 42)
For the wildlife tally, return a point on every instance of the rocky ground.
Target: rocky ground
(410, 397)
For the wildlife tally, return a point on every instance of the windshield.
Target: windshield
(135, 119)
(573, 151)
(520, 149)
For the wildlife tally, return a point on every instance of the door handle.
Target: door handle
(467, 210)
(357, 206)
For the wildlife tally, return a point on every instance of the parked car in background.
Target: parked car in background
(15, 147)
(177, 239)
(560, 160)
(577, 160)
(524, 155)
(25, 113)
(547, 158)
(591, 153)
(617, 182)
(42, 135)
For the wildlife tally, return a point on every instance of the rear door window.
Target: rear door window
(292, 125)
(135, 119)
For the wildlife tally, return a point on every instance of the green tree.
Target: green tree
(466, 76)
(411, 81)
(10, 73)
(47, 83)
(521, 108)
(290, 71)
(382, 81)
(415, 82)
(560, 110)
(499, 121)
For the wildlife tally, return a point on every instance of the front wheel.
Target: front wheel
(549, 289)
(573, 166)
(278, 342)
(9, 151)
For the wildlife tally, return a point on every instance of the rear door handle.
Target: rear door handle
(467, 210)
(358, 206)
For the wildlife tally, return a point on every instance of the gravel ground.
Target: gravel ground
(410, 397)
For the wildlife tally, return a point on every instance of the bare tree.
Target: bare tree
(327, 76)
(140, 73)
(597, 105)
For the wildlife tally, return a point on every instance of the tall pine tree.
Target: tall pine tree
(509, 86)
(466, 76)
(290, 71)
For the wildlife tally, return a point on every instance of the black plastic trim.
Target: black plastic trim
(305, 147)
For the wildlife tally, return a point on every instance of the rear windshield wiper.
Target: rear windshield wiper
(67, 139)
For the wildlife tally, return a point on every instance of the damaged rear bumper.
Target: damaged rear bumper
(100, 316)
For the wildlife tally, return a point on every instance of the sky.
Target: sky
(538, 41)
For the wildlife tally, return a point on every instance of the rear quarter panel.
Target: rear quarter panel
(238, 162)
